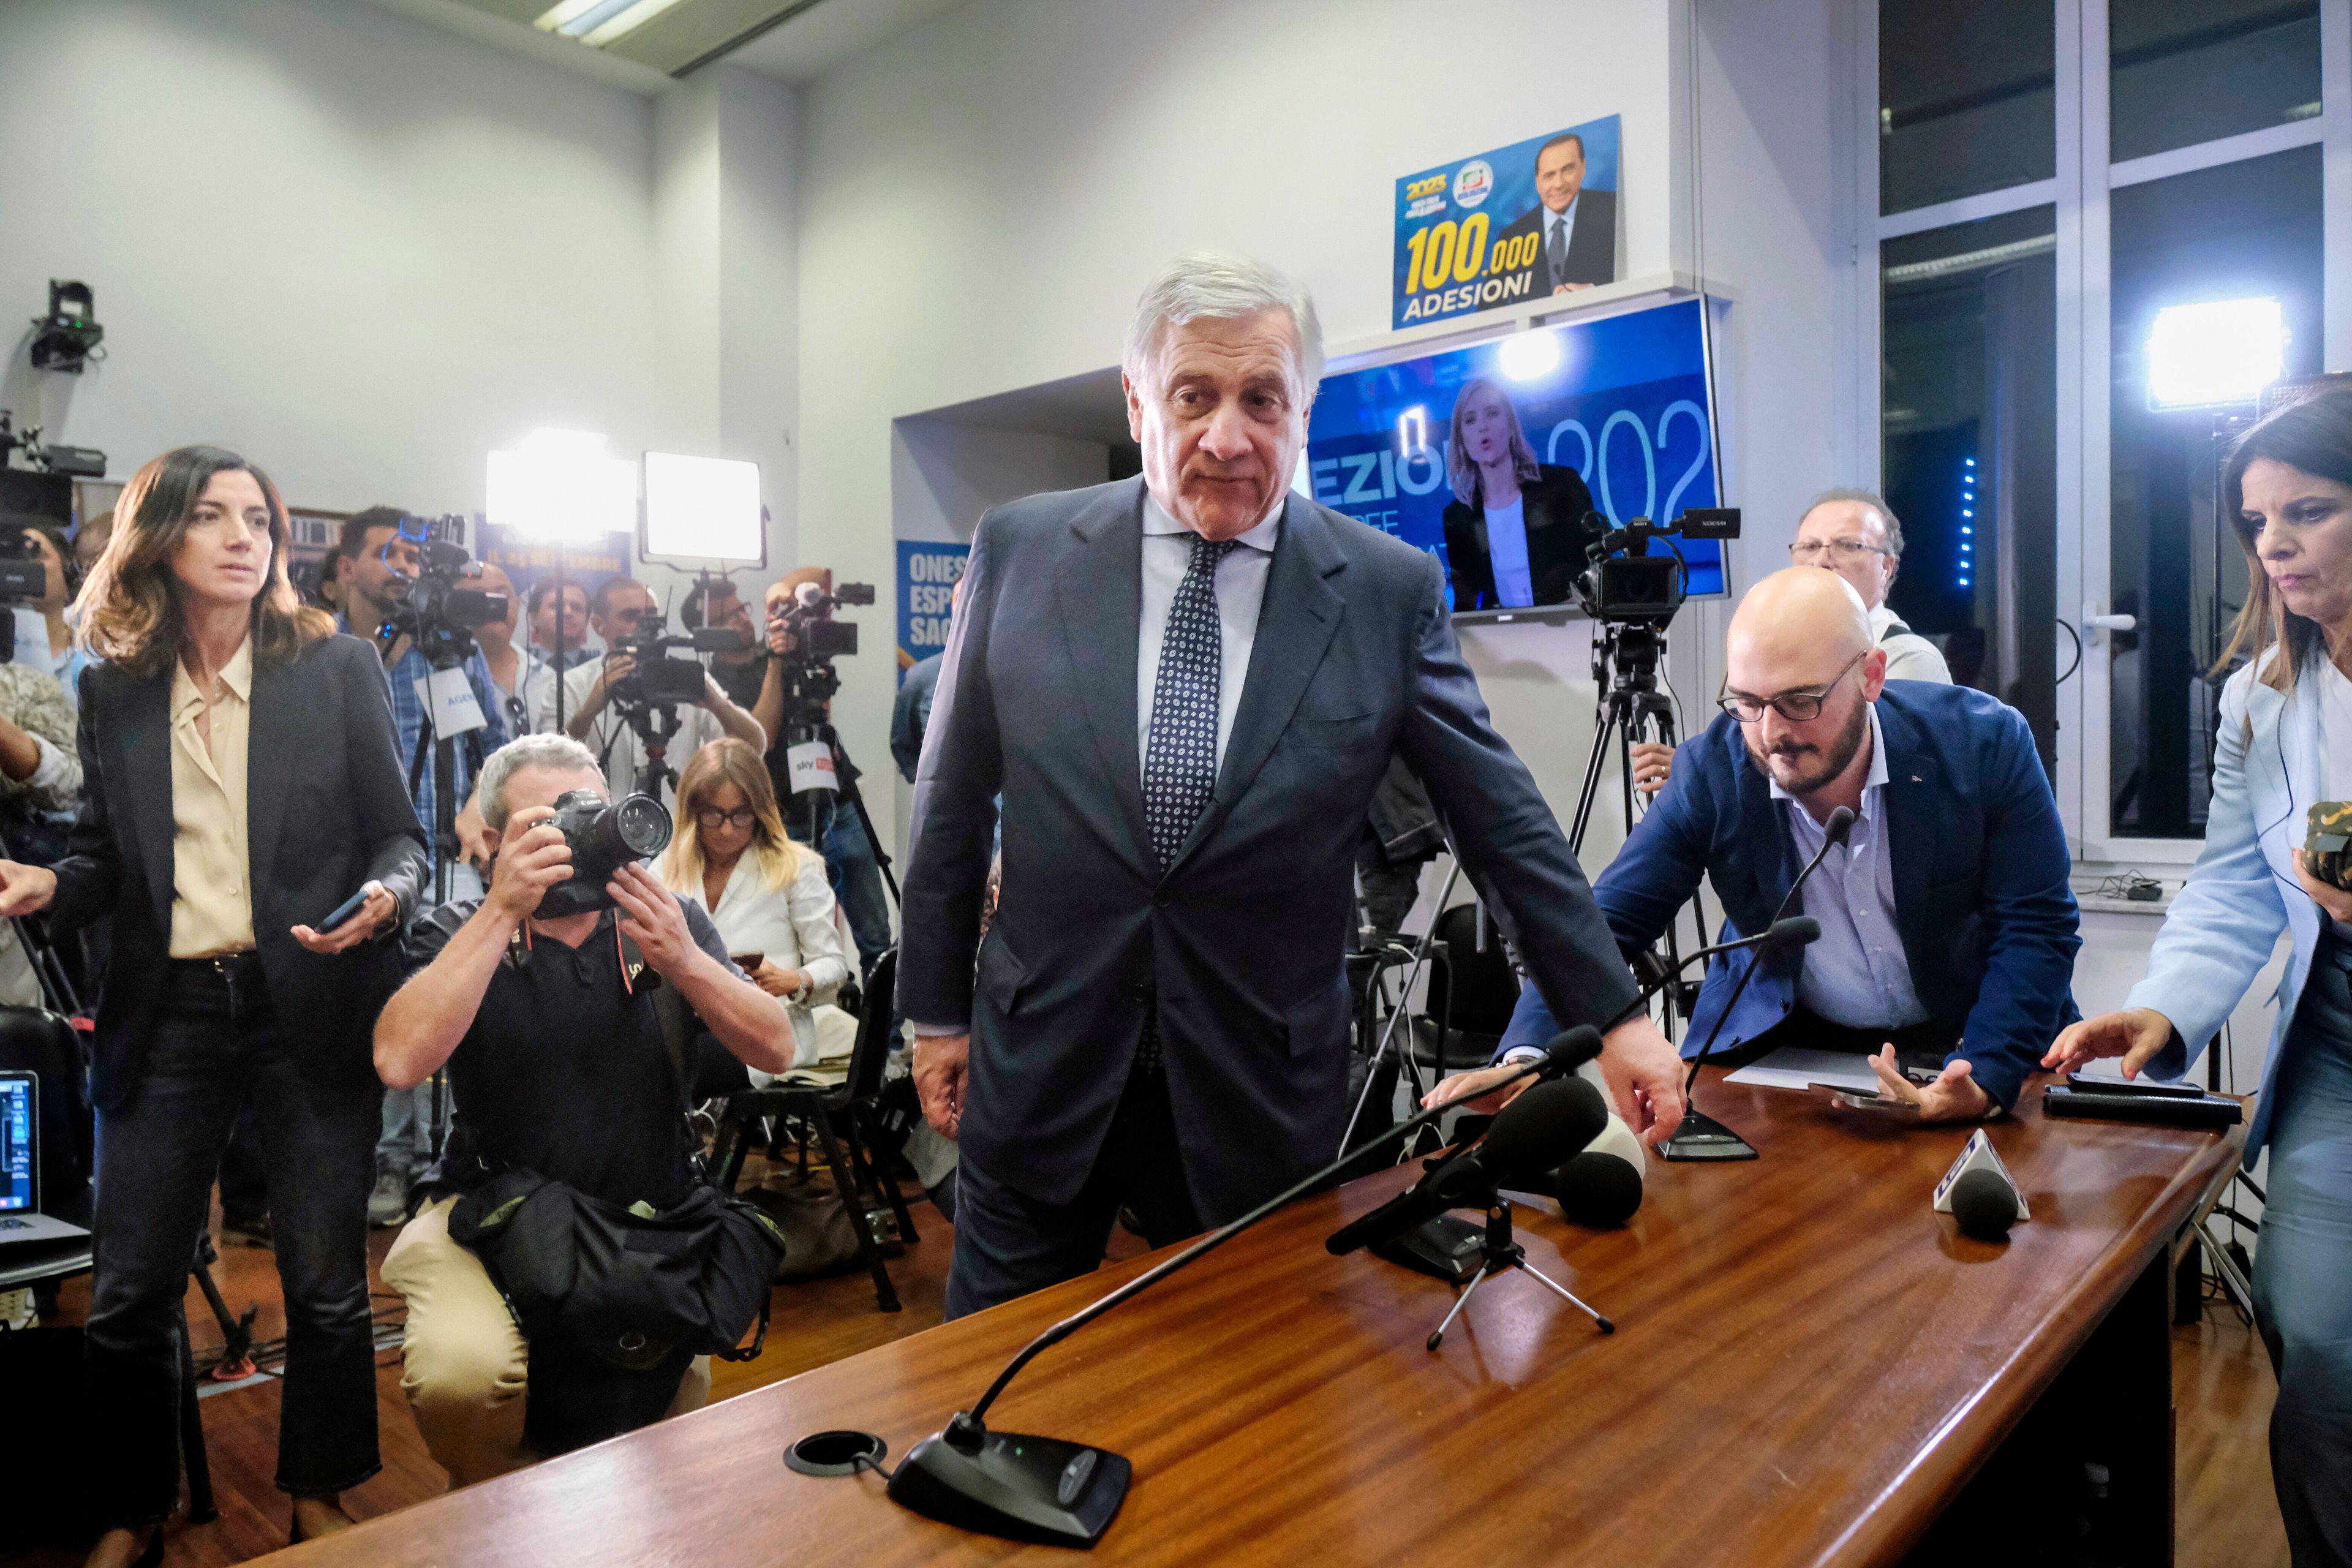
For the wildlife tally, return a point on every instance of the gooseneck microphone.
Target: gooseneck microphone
(1702, 1137)
(1029, 1487)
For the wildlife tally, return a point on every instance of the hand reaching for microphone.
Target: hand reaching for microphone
(1645, 1079)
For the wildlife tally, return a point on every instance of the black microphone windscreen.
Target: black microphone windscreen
(1840, 825)
(1984, 1206)
(1597, 1189)
(1794, 932)
(1546, 1126)
(1571, 1048)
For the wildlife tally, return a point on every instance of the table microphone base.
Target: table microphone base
(1015, 1484)
(1497, 1251)
(1451, 1249)
(1702, 1137)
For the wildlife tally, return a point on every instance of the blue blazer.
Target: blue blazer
(1988, 921)
(2271, 765)
(1239, 948)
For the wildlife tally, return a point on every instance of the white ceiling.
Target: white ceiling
(801, 38)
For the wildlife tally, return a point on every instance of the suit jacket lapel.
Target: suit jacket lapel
(1296, 623)
(270, 741)
(1914, 783)
(1099, 591)
(143, 754)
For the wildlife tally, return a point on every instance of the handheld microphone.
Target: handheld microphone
(1539, 1130)
(1602, 1185)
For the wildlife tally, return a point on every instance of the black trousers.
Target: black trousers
(215, 1043)
(1008, 1244)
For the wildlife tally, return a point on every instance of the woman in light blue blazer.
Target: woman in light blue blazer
(2285, 742)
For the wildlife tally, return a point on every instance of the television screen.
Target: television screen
(1493, 456)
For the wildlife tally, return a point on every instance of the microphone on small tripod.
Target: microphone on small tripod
(1047, 1489)
(1701, 1136)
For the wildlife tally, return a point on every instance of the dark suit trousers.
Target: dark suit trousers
(1008, 1244)
(212, 1047)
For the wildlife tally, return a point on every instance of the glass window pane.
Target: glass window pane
(1971, 447)
(1966, 96)
(2185, 71)
(2249, 230)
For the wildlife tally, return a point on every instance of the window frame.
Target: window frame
(2085, 177)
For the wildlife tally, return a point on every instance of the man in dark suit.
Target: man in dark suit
(1187, 687)
(1576, 229)
(1948, 931)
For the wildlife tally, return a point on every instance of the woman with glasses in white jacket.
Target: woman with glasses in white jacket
(768, 897)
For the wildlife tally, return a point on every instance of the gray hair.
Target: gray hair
(1212, 285)
(1870, 499)
(557, 753)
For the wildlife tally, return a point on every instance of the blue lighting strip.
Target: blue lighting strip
(1968, 511)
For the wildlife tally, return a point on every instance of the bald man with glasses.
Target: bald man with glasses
(1948, 931)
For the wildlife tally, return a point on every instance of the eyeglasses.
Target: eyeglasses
(1809, 552)
(712, 819)
(1797, 707)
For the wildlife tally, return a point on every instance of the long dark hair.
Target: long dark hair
(2315, 436)
(129, 606)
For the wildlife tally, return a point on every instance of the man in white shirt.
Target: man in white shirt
(1855, 535)
(624, 608)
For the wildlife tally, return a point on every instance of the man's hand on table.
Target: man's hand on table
(1645, 1079)
(1953, 1097)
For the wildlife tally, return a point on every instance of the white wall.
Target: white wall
(364, 252)
(354, 247)
(983, 196)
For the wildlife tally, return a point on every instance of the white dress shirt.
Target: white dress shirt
(1909, 656)
(1241, 590)
(1507, 552)
(1857, 973)
(1565, 222)
(615, 744)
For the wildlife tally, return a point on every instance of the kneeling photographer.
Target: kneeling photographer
(566, 1026)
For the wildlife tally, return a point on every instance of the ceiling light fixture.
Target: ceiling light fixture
(600, 21)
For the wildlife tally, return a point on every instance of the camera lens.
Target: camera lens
(642, 824)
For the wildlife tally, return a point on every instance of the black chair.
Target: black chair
(1471, 993)
(841, 1116)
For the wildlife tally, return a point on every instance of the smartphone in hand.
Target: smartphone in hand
(343, 912)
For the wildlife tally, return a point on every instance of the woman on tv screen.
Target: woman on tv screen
(1514, 532)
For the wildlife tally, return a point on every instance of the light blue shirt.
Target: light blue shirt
(1506, 552)
(1856, 973)
(1241, 591)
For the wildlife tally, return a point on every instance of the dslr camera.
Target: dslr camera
(604, 836)
(1624, 583)
(439, 614)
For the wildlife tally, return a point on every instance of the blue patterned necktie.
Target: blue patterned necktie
(1179, 763)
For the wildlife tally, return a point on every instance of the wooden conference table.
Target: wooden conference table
(1809, 1365)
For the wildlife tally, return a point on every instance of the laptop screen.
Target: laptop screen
(16, 1137)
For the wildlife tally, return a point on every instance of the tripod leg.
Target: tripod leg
(1554, 1286)
(1459, 1302)
(1608, 717)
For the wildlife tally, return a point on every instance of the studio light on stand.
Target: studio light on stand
(560, 487)
(2218, 354)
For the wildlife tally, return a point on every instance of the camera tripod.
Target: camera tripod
(1500, 1251)
(808, 806)
(443, 753)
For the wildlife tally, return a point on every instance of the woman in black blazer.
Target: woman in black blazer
(1514, 532)
(241, 782)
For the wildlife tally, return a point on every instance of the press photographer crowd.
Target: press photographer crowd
(511, 922)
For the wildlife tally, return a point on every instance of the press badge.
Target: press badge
(448, 695)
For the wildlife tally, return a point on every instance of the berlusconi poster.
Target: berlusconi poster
(1538, 217)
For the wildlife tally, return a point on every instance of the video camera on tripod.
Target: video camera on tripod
(658, 680)
(1625, 584)
(429, 607)
(814, 639)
